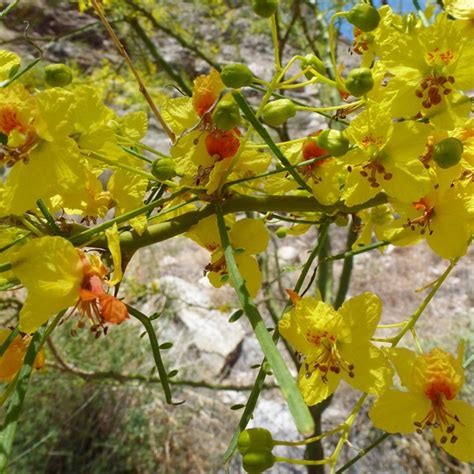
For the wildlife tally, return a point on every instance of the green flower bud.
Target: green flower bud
(359, 81)
(58, 75)
(163, 169)
(281, 232)
(364, 16)
(334, 142)
(265, 8)
(258, 461)
(254, 439)
(311, 60)
(278, 112)
(448, 152)
(227, 115)
(236, 75)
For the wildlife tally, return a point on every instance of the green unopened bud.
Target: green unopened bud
(448, 152)
(256, 462)
(281, 232)
(334, 141)
(227, 115)
(58, 75)
(359, 81)
(265, 8)
(163, 169)
(311, 60)
(254, 439)
(236, 75)
(278, 112)
(364, 16)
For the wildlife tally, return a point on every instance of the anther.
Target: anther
(443, 439)
(453, 439)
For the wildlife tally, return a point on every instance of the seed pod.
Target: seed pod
(278, 112)
(265, 8)
(163, 169)
(334, 141)
(236, 75)
(341, 220)
(311, 60)
(359, 81)
(58, 75)
(254, 439)
(227, 115)
(364, 16)
(448, 152)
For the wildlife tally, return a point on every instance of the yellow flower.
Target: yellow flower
(58, 276)
(336, 345)
(247, 236)
(386, 158)
(8, 61)
(430, 72)
(433, 381)
(442, 217)
(373, 220)
(12, 360)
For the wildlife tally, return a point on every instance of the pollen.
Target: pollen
(423, 222)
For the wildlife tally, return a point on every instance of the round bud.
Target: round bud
(254, 439)
(359, 81)
(227, 115)
(265, 8)
(281, 232)
(364, 16)
(334, 142)
(311, 60)
(278, 112)
(236, 75)
(163, 169)
(258, 461)
(58, 75)
(447, 153)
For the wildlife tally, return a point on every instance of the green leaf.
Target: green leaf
(236, 316)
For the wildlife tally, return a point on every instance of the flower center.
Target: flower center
(19, 138)
(432, 88)
(329, 360)
(94, 305)
(438, 55)
(223, 144)
(439, 417)
(423, 221)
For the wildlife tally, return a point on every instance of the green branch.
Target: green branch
(289, 388)
(155, 348)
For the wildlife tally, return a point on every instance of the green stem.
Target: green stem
(86, 235)
(260, 379)
(290, 391)
(363, 453)
(413, 320)
(261, 130)
(345, 278)
(4, 267)
(49, 218)
(155, 348)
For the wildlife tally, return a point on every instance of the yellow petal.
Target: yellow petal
(372, 371)
(113, 242)
(462, 448)
(396, 412)
(361, 314)
(51, 270)
(313, 388)
(248, 267)
(404, 360)
(249, 234)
